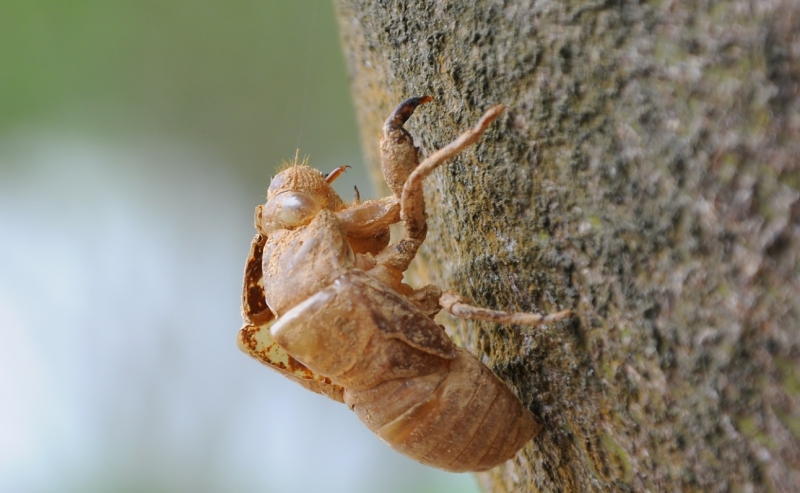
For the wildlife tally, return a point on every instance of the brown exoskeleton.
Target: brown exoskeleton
(324, 304)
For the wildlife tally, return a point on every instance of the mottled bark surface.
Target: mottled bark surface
(646, 175)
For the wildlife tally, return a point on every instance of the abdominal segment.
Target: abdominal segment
(461, 418)
(404, 377)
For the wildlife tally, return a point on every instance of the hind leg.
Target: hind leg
(456, 305)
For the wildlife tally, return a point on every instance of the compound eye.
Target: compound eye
(288, 210)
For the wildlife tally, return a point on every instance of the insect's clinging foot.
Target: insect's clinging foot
(411, 199)
(399, 156)
(457, 306)
(404, 111)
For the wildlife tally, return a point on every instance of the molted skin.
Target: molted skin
(347, 327)
(404, 378)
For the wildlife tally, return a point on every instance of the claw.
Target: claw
(398, 154)
(403, 112)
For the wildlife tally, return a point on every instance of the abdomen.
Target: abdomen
(404, 377)
(461, 418)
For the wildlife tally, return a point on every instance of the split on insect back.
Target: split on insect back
(324, 304)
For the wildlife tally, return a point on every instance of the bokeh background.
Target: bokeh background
(136, 137)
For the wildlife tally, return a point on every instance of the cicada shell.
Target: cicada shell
(324, 304)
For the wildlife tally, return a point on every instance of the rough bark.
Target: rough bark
(646, 175)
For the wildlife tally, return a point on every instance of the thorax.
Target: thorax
(298, 263)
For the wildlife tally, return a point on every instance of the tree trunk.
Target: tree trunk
(645, 174)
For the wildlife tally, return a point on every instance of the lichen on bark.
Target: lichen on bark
(644, 174)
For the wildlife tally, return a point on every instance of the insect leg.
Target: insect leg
(427, 299)
(396, 258)
(412, 203)
(456, 306)
(398, 154)
(367, 223)
(370, 217)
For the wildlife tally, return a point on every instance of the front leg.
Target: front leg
(367, 223)
(399, 157)
(395, 259)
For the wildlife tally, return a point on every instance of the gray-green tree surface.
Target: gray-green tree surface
(644, 174)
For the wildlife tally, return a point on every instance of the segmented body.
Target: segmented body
(401, 373)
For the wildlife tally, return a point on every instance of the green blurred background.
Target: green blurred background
(250, 81)
(135, 140)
